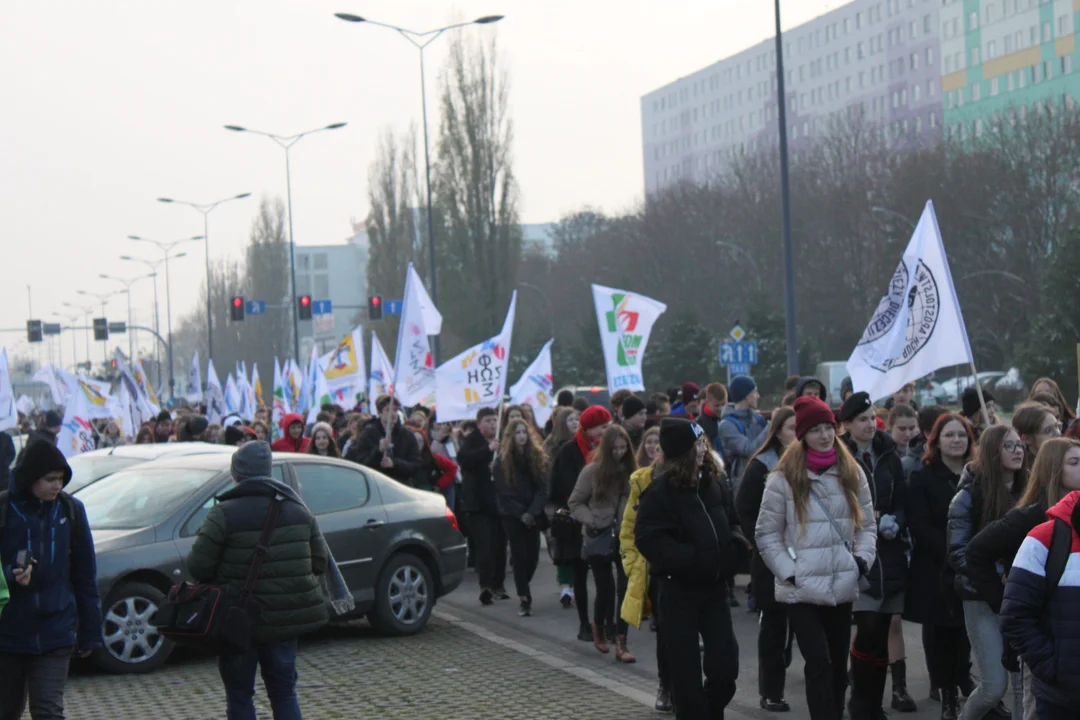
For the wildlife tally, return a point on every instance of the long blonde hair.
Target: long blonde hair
(793, 467)
(1045, 478)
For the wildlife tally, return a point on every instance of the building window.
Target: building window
(976, 91)
(1048, 70)
(1066, 65)
(991, 50)
(974, 56)
(303, 262)
(319, 261)
(929, 56)
(913, 29)
(926, 24)
(1047, 32)
(915, 91)
(931, 88)
(948, 65)
(973, 21)
(993, 87)
(933, 119)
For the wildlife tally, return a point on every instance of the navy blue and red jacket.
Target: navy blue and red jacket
(1046, 631)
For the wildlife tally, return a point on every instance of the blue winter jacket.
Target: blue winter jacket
(60, 608)
(1046, 631)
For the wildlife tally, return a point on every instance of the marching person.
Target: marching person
(716, 398)
(479, 503)
(50, 569)
(563, 426)
(649, 451)
(989, 487)
(520, 477)
(816, 533)
(877, 454)
(286, 592)
(687, 531)
(742, 430)
(322, 441)
(292, 440)
(597, 502)
(634, 416)
(385, 444)
(772, 616)
(570, 460)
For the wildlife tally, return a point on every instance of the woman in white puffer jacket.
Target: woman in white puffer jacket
(816, 532)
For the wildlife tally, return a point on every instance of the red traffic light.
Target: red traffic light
(305, 300)
(237, 301)
(376, 300)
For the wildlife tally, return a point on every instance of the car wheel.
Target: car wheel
(132, 643)
(404, 596)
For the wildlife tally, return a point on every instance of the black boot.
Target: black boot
(950, 704)
(900, 699)
(585, 633)
(663, 700)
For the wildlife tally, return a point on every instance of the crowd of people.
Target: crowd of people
(844, 514)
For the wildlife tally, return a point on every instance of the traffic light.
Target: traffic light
(374, 307)
(305, 307)
(33, 330)
(101, 328)
(237, 309)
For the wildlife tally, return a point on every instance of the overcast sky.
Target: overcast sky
(107, 105)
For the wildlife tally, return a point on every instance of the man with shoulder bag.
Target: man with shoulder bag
(285, 598)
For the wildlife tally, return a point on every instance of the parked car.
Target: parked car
(89, 467)
(596, 395)
(399, 549)
(953, 388)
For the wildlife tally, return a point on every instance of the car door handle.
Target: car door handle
(373, 523)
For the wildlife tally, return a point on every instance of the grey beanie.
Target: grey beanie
(252, 461)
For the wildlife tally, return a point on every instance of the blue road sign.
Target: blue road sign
(256, 307)
(738, 353)
(321, 307)
(739, 369)
(391, 307)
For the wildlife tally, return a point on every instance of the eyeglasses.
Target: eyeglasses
(1013, 445)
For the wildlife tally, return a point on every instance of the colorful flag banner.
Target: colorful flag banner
(143, 412)
(100, 402)
(346, 369)
(76, 434)
(414, 365)
(536, 386)
(215, 395)
(477, 377)
(282, 401)
(233, 396)
(194, 385)
(626, 321)
(257, 400)
(382, 373)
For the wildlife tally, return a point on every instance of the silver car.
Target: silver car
(89, 467)
(398, 548)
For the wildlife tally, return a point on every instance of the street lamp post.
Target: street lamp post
(153, 265)
(205, 209)
(103, 298)
(127, 283)
(286, 142)
(420, 41)
(166, 250)
(785, 199)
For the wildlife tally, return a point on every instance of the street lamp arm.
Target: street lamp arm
(286, 141)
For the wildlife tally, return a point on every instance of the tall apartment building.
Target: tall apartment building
(1003, 58)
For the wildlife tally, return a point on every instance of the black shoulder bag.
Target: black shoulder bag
(212, 617)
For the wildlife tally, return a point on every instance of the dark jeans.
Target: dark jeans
(524, 553)
(490, 539)
(277, 663)
(610, 590)
(662, 671)
(771, 646)
(41, 678)
(948, 654)
(686, 613)
(869, 664)
(581, 590)
(824, 636)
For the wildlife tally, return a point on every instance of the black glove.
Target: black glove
(862, 565)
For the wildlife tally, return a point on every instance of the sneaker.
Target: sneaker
(566, 598)
(663, 700)
(486, 596)
(780, 705)
(501, 594)
(525, 609)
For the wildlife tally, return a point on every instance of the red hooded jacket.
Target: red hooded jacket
(286, 443)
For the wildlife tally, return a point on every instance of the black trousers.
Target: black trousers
(581, 590)
(772, 644)
(948, 654)
(686, 613)
(824, 636)
(869, 664)
(610, 582)
(524, 553)
(39, 678)
(662, 671)
(490, 539)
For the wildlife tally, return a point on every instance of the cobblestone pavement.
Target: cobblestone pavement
(447, 672)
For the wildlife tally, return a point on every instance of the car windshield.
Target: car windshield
(140, 497)
(86, 469)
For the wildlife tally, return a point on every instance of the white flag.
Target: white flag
(346, 369)
(215, 395)
(414, 365)
(255, 390)
(126, 413)
(194, 385)
(9, 414)
(382, 373)
(24, 405)
(76, 435)
(477, 377)
(282, 400)
(144, 383)
(307, 387)
(100, 402)
(143, 412)
(295, 378)
(917, 327)
(320, 393)
(535, 386)
(233, 396)
(45, 374)
(626, 319)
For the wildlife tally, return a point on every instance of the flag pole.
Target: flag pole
(982, 400)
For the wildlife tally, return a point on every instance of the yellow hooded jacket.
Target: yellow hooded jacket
(636, 602)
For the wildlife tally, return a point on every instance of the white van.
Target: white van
(832, 374)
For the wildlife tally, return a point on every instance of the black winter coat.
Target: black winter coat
(888, 487)
(528, 494)
(930, 598)
(477, 488)
(996, 543)
(965, 520)
(747, 506)
(568, 464)
(689, 535)
(406, 453)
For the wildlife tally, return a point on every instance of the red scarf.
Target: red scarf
(707, 411)
(819, 462)
(585, 444)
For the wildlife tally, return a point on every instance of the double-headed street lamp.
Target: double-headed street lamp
(421, 40)
(103, 298)
(127, 283)
(167, 254)
(205, 209)
(286, 142)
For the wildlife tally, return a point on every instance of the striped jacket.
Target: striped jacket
(1046, 631)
